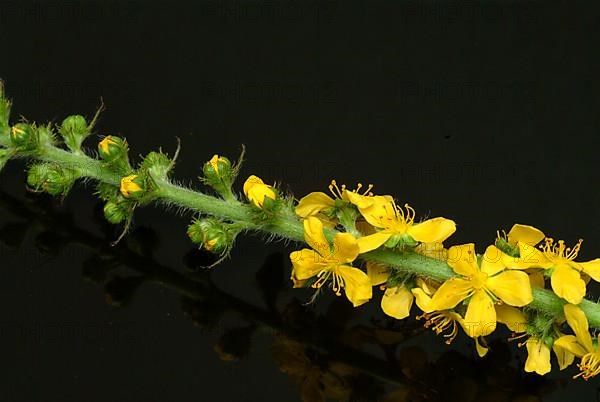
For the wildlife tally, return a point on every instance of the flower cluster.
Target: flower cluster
(482, 291)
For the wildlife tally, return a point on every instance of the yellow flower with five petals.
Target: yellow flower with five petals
(483, 284)
(565, 277)
(326, 263)
(396, 223)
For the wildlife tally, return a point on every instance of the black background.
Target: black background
(486, 113)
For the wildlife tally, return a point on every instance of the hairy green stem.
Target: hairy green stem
(286, 225)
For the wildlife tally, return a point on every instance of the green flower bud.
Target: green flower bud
(53, 179)
(212, 234)
(219, 174)
(22, 134)
(158, 164)
(74, 129)
(116, 212)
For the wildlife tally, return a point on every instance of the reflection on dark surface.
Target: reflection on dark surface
(326, 355)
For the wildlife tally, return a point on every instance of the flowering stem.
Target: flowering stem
(285, 223)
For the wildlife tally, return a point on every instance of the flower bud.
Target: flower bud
(219, 174)
(74, 129)
(158, 164)
(22, 134)
(212, 234)
(258, 192)
(116, 212)
(53, 179)
(132, 186)
(112, 148)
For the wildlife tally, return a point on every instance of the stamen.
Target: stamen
(335, 190)
(572, 253)
(410, 214)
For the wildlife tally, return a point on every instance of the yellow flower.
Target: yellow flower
(484, 285)
(326, 264)
(538, 352)
(580, 345)
(106, 143)
(317, 202)
(565, 276)
(383, 213)
(129, 186)
(397, 300)
(256, 191)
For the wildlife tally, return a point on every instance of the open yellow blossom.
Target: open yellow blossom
(565, 276)
(383, 213)
(397, 300)
(484, 285)
(256, 190)
(538, 351)
(325, 263)
(580, 345)
(317, 202)
(129, 186)
(106, 143)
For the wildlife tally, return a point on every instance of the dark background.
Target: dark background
(484, 112)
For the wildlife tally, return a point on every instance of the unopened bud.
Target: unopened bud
(74, 129)
(22, 134)
(158, 164)
(259, 193)
(53, 179)
(116, 212)
(212, 234)
(132, 186)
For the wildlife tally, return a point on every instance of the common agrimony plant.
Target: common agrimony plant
(355, 240)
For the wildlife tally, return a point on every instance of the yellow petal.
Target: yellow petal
(480, 319)
(432, 230)
(313, 234)
(492, 261)
(538, 356)
(567, 283)
(356, 285)
(373, 241)
(307, 263)
(452, 292)
(525, 234)
(313, 203)
(512, 317)
(462, 259)
(377, 273)
(530, 257)
(251, 181)
(579, 324)
(592, 268)
(378, 210)
(536, 279)
(481, 350)
(345, 248)
(397, 301)
(423, 300)
(571, 345)
(428, 285)
(512, 287)
(564, 357)
(361, 201)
